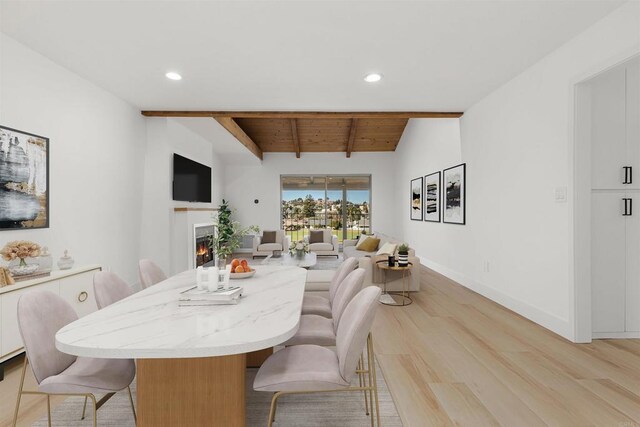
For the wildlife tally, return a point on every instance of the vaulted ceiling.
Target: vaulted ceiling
(312, 132)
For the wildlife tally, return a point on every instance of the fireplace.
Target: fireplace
(203, 252)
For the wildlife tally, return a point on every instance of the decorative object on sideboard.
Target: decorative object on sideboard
(391, 260)
(65, 262)
(403, 255)
(24, 180)
(454, 194)
(228, 236)
(432, 197)
(299, 249)
(17, 253)
(416, 199)
(45, 261)
(5, 277)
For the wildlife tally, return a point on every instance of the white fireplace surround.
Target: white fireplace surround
(185, 222)
(199, 231)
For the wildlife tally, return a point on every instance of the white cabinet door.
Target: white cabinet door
(633, 265)
(608, 262)
(11, 340)
(608, 139)
(78, 291)
(633, 121)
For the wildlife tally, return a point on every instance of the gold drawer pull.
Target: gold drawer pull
(82, 296)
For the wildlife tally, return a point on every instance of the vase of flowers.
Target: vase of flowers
(228, 235)
(299, 249)
(21, 250)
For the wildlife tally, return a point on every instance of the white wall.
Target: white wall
(518, 146)
(165, 137)
(96, 149)
(251, 180)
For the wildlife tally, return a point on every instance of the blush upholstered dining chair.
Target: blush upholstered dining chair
(150, 273)
(109, 288)
(40, 315)
(319, 330)
(315, 369)
(316, 304)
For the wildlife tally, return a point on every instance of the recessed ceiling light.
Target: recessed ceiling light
(173, 76)
(373, 77)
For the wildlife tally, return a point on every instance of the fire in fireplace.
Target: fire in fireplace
(204, 254)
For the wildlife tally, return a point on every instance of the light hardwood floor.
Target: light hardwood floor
(454, 357)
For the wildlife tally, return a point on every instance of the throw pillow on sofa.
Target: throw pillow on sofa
(316, 236)
(370, 244)
(268, 237)
(387, 249)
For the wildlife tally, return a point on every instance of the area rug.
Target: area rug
(313, 410)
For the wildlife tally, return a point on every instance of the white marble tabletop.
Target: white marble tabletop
(150, 324)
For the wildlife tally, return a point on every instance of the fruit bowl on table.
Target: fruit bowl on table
(244, 275)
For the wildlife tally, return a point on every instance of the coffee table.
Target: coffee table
(308, 261)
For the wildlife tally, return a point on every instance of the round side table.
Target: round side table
(406, 276)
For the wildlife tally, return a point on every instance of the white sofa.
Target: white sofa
(364, 260)
(265, 249)
(329, 245)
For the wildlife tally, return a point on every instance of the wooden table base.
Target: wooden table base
(206, 391)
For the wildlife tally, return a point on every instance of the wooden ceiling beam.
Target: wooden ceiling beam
(308, 114)
(352, 136)
(294, 135)
(232, 127)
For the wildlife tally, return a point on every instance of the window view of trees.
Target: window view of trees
(319, 207)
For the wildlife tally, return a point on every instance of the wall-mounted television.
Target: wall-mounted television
(191, 180)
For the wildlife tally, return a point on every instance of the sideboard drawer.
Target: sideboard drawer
(77, 290)
(11, 340)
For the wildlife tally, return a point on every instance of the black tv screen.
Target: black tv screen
(191, 180)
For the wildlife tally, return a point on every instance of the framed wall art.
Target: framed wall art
(454, 194)
(416, 199)
(432, 197)
(24, 180)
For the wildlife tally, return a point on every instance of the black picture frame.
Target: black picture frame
(454, 199)
(427, 197)
(415, 203)
(24, 195)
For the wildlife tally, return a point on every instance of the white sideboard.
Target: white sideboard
(75, 286)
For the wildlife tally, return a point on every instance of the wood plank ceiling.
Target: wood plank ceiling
(311, 132)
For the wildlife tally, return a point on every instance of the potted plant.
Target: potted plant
(228, 236)
(403, 255)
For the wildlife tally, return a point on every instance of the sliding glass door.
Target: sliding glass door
(340, 202)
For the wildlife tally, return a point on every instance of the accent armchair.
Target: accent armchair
(329, 245)
(261, 249)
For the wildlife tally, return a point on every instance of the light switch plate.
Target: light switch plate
(561, 194)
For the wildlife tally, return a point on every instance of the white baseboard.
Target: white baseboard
(621, 335)
(550, 321)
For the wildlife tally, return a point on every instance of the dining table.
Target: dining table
(191, 360)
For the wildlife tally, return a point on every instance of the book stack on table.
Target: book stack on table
(194, 296)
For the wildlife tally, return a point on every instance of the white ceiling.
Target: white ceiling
(305, 55)
(211, 130)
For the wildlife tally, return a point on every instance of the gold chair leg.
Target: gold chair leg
(95, 410)
(272, 412)
(363, 383)
(24, 370)
(49, 409)
(133, 408)
(370, 385)
(374, 385)
(84, 408)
